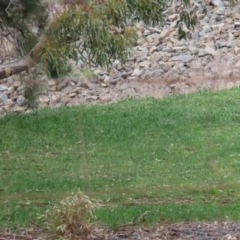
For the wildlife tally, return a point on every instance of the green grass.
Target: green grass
(174, 159)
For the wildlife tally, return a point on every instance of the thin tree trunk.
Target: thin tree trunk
(23, 64)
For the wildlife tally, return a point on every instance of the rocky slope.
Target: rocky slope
(161, 64)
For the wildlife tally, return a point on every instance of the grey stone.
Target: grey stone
(212, 21)
(220, 11)
(16, 84)
(55, 98)
(157, 73)
(11, 80)
(166, 49)
(147, 74)
(194, 50)
(219, 18)
(126, 74)
(207, 29)
(175, 58)
(72, 95)
(236, 34)
(237, 64)
(98, 72)
(9, 102)
(114, 73)
(232, 44)
(145, 64)
(100, 77)
(141, 59)
(61, 85)
(3, 97)
(185, 58)
(156, 36)
(141, 41)
(149, 39)
(155, 30)
(219, 44)
(3, 88)
(52, 83)
(229, 20)
(143, 53)
(209, 14)
(137, 72)
(196, 64)
(2, 111)
(11, 90)
(164, 66)
(13, 96)
(153, 49)
(67, 90)
(21, 88)
(180, 67)
(210, 50)
(236, 16)
(124, 86)
(85, 84)
(173, 73)
(166, 57)
(217, 3)
(18, 109)
(179, 49)
(195, 36)
(20, 100)
(112, 81)
(92, 98)
(226, 3)
(44, 99)
(104, 84)
(165, 33)
(203, 22)
(156, 56)
(146, 32)
(217, 26)
(173, 17)
(7, 108)
(156, 43)
(160, 47)
(202, 53)
(107, 79)
(206, 18)
(236, 50)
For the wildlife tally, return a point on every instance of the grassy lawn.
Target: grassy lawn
(174, 159)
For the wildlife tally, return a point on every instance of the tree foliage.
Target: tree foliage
(17, 20)
(93, 31)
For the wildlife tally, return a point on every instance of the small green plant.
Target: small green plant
(88, 73)
(31, 94)
(85, 72)
(71, 218)
(57, 68)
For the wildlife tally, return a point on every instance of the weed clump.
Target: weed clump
(71, 218)
(31, 94)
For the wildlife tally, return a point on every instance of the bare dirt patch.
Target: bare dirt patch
(158, 87)
(155, 87)
(189, 230)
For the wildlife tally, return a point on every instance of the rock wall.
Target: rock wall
(160, 64)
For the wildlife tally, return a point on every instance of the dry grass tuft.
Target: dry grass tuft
(71, 218)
